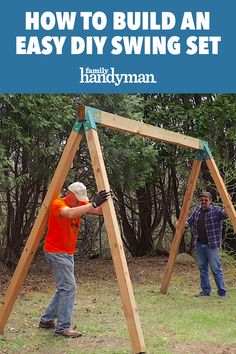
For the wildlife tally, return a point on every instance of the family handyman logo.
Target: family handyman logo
(109, 76)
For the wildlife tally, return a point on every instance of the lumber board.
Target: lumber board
(181, 224)
(139, 128)
(116, 245)
(222, 191)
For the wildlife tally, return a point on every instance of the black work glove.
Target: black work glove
(101, 197)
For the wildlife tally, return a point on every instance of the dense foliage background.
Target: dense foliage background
(148, 178)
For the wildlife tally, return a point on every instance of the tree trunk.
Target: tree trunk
(145, 219)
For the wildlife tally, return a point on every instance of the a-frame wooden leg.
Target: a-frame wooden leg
(38, 228)
(181, 223)
(222, 190)
(112, 228)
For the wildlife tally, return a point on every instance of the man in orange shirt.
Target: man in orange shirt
(59, 249)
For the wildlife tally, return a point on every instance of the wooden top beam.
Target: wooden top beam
(120, 123)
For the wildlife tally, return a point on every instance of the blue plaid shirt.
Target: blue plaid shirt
(213, 222)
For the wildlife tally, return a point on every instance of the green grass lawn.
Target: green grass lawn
(173, 323)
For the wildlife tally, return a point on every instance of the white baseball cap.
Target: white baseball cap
(79, 190)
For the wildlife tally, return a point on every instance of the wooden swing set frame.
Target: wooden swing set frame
(87, 121)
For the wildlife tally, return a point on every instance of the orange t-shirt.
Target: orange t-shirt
(62, 232)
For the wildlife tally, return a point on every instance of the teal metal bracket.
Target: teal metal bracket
(92, 116)
(78, 127)
(204, 153)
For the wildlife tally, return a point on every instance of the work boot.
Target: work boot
(201, 294)
(46, 324)
(69, 333)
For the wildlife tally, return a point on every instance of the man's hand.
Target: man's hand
(101, 197)
(186, 225)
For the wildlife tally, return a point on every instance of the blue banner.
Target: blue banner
(117, 47)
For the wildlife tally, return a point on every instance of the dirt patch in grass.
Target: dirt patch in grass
(145, 270)
(89, 343)
(82, 345)
(203, 348)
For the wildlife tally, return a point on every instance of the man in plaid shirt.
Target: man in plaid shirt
(206, 223)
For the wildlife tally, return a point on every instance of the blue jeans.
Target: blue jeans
(61, 305)
(206, 257)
